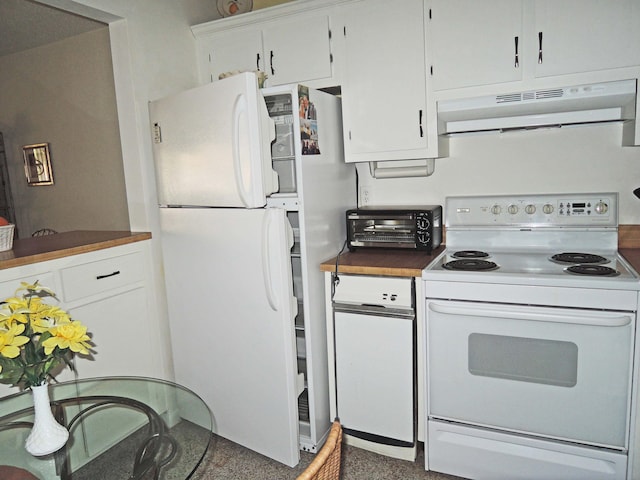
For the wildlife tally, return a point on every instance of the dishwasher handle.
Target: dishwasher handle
(375, 310)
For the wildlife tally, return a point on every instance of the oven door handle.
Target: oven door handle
(599, 321)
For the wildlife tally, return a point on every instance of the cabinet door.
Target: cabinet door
(474, 43)
(574, 36)
(237, 49)
(297, 50)
(384, 92)
(122, 333)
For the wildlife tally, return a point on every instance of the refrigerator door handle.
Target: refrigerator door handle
(266, 265)
(239, 108)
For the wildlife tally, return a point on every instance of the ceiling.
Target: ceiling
(25, 24)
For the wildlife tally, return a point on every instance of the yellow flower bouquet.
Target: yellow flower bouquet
(36, 337)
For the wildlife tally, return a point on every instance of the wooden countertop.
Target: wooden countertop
(632, 255)
(393, 263)
(40, 249)
(404, 263)
(629, 244)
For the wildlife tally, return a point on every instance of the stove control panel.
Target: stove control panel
(601, 207)
(553, 210)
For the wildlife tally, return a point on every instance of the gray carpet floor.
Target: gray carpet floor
(228, 461)
(225, 460)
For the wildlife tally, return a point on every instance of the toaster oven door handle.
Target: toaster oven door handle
(599, 321)
(396, 216)
(387, 228)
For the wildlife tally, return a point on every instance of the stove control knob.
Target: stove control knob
(601, 208)
(530, 209)
(496, 209)
(512, 209)
(547, 208)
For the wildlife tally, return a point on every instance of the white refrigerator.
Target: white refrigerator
(252, 188)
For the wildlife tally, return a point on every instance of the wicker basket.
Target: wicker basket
(6, 237)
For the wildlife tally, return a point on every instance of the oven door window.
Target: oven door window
(554, 372)
(537, 360)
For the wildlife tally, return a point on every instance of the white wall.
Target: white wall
(572, 160)
(63, 94)
(153, 54)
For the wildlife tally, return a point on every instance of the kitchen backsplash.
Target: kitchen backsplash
(580, 159)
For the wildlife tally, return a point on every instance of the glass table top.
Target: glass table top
(120, 428)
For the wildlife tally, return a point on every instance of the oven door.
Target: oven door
(552, 372)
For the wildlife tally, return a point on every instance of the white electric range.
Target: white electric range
(530, 335)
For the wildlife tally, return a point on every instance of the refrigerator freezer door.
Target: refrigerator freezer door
(231, 308)
(212, 145)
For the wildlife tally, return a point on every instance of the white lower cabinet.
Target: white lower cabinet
(111, 292)
(373, 362)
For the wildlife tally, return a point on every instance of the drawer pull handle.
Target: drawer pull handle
(100, 277)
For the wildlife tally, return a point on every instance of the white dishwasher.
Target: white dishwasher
(375, 358)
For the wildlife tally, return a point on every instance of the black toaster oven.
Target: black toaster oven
(417, 228)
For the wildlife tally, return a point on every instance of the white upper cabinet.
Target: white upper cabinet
(238, 49)
(384, 93)
(111, 292)
(474, 43)
(575, 36)
(297, 49)
(395, 59)
(293, 48)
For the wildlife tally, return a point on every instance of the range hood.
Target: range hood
(579, 104)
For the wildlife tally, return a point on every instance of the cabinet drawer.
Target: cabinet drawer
(97, 277)
(9, 287)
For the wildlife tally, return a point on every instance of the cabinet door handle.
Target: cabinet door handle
(271, 63)
(517, 59)
(257, 61)
(420, 123)
(113, 274)
(539, 47)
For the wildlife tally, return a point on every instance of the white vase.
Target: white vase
(47, 435)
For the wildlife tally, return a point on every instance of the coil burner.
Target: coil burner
(594, 270)
(581, 258)
(470, 265)
(470, 254)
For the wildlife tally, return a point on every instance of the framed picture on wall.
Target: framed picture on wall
(37, 164)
